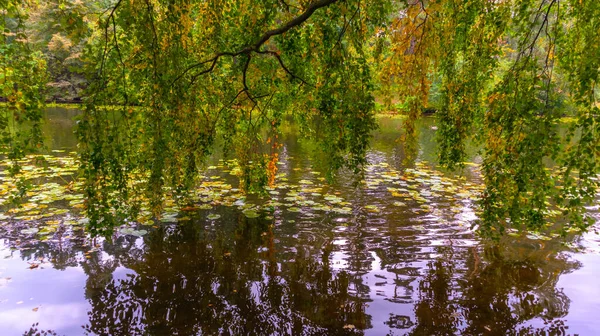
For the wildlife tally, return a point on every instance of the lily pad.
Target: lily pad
(30, 231)
(249, 213)
(133, 232)
(372, 208)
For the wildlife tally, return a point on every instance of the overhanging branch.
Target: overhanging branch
(283, 66)
(255, 47)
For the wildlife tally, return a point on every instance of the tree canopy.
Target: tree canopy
(168, 80)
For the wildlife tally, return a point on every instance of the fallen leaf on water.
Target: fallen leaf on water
(30, 231)
(372, 208)
(251, 213)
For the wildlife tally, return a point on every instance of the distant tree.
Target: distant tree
(60, 30)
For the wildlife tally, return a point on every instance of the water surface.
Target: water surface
(393, 256)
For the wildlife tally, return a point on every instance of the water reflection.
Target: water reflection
(388, 265)
(496, 295)
(191, 279)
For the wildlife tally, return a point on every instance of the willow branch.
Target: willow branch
(283, 66)
(297, 21)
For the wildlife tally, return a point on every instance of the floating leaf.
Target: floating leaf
(30, 231)
(249, 213)
(537, 236)
(133, 232)
(372, 208)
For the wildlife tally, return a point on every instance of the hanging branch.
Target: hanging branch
(255, 47)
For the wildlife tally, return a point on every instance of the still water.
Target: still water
(394, 255)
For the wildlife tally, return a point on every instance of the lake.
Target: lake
(393, 254)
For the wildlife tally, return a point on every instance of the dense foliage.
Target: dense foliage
(169, 79)
(22, 84)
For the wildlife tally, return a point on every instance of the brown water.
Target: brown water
(393, 256)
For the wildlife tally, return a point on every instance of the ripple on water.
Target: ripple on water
(395, 254)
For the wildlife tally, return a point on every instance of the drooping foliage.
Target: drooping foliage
(170, 81)
(506, 72)
(190, 73)
(22, 84)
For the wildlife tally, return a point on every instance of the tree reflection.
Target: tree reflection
(245, 277)
(62, 249)
(494, 296)
(190, 281)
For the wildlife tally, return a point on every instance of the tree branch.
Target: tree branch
(283, 66)
(213, 62)
(292, 23)
(245, 81)
(262, 40)
(106, 38)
